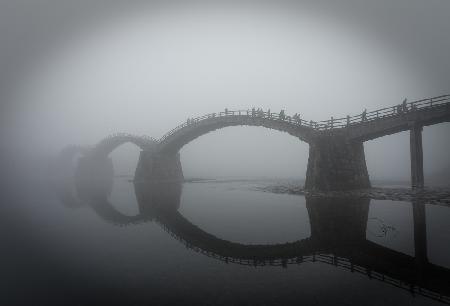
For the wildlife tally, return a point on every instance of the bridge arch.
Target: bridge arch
(97, 165)
(163, 163)
(175, 139)
(104, 147)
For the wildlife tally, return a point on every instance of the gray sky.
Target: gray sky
(76, 71)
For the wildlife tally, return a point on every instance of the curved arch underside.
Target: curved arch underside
(175, 141)
(109, 144)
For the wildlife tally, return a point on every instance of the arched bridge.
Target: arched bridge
(94, 162)
(336, 155)
(110, 143)
(175, 139)
(336, 152)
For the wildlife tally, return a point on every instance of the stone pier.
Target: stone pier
(335, 164)
(415, 138)
(155, 166)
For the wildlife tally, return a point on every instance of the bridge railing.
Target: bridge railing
(251, 113)
(332, 123)
(113, 137)
(384, 113)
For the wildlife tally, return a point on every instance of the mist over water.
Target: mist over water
(238, 228)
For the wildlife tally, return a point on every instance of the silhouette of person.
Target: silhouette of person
(404, 106)
(364, 115)
(253, 112)
(282, 115)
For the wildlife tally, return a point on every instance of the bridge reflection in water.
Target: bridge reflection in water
(338, 237)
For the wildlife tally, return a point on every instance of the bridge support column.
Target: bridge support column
(415, 138)
(153, 166)
(335, 164)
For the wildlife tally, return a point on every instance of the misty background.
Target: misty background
(73, 72)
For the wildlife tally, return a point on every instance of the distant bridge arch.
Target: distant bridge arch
(104, 147)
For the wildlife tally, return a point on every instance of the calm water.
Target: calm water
(220, 243)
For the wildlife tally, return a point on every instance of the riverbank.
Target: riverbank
(439, 196)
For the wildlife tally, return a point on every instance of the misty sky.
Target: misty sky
(73, 73)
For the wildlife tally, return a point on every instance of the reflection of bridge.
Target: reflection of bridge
(336, 155)
(338, 237)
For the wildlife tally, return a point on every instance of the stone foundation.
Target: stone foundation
(154, 166)
(334, 164)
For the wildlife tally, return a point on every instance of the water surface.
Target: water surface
(222, 243)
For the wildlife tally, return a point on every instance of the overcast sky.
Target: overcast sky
(73, 72)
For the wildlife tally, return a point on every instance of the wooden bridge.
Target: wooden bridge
(336, 152)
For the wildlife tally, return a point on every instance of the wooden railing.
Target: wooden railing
(332, 123)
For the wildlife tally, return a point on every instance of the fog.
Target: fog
(74, 73)
(233, 220)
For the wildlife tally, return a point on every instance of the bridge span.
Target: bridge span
(336, 146)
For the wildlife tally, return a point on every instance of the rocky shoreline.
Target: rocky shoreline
(438, 196)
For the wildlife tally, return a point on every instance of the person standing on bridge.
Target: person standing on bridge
(364, 115)
(260, 112)
(226, 111)
(281, 115)
(253, 112)
(404, 106)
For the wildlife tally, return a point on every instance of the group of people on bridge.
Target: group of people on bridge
(399, 109)
(259, 112)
